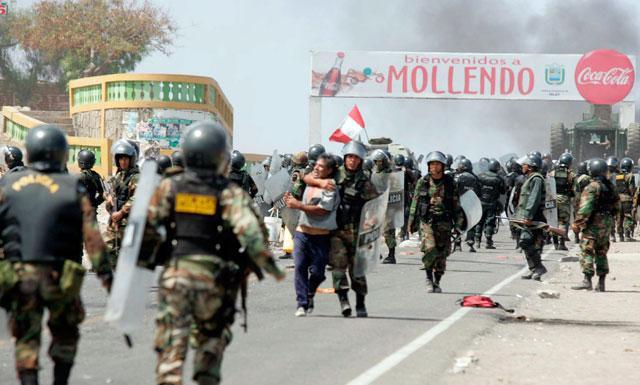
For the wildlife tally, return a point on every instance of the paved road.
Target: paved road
(324, 348)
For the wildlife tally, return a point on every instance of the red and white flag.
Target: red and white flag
(351, 127)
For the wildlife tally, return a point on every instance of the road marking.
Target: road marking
(401, 354)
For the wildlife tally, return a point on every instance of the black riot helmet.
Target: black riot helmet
(582, 168)
(367, 165)
(465, 165)
(537, 153)
(206, 147)
(612, 163)
(565, 160)
(136, 146)
(339, 160)
(449, 160)
(164, 162)
(315, 151)
(86, 159)
(13, 157)
(47, 148)
(287, 160)
(177, 159)
(408, 164)
(626, 165)
(399, 160)
(597, 167)
(123, 148)
(237, 160)
(494, 165)
(380, 156)
(533, 161)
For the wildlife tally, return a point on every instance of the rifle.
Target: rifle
(542, 226)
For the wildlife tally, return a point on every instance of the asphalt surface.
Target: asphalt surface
(322, 348)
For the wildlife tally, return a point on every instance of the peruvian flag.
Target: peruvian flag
(350, 128)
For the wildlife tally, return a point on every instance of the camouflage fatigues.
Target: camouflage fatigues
(436, 204)
(531, 206)
(626, 188)
(197, 293)
(595, 216)
(124, 180)
(357, 187)
(564, 192)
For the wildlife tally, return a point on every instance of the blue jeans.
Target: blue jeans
(311, 255)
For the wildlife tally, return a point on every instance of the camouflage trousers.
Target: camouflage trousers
(435, 245)
(593, 250)
(38, 288)
(390, 237)
(112, 240)
(190, 303)
(532, 241)
(564, 210)
(625, 221)
(341, 259)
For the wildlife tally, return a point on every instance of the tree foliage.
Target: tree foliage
(94, 37)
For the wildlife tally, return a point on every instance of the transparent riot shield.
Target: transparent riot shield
(372, 221)
(550, 203)
(276, 163)
(276, 186)
(4, 332)
(131, 283)
(259, 176)
(395, 207)
(472, 208)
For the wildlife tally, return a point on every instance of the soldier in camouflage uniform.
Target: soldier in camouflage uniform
(240, 176)
(581, 181)
(382, 165)
(530, 208)
(598, 206)
(122, 187)
(45, 216)
(91, 180)
(208, 221)
(564, 193)
(626, 189)
(436, 205)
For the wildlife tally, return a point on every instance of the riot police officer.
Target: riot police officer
(492, 186)
(436, 206)
(177, 159)
(598, 206)
(314, 152)
(208, 221)
(465, 181)
(122, 187)
(579, 183)
(13, 159)
(91, 180)
(564, 193)
(45, 217)
(382, 165)
(239, 176)
(626, 188)
(164, 163)
(612, 166)
(530, 209)
(409, 185)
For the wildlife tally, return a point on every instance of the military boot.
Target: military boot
(630, 236)
(538, 272)
(457, 245)
(585, 285)
(490, 245)
(28, 377)
(478, 242)
(600, 286)
(562, 245)
(61, 372)
(361, 309)
(436, 284)
(613, 237)
(430, 285)
(391, 258)
(576, 238)
(555, 242)
(527, 275)
(471, 249)
(345, 307)
(621, 235)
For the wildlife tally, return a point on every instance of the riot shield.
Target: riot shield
(372, 221)
(258, 174)
(380, 180)
(472, 208)
(395, 207)
(550, 203)
(276, 186)
(511, 209)
(131, 283)
(276, 163)
(480, 167)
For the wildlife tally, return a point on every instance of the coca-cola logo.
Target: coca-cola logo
(604, 76)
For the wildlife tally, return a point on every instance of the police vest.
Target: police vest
(607, 198)
(466, 181)
(561, 176)
(351, 200)
(525, 191)
(490, 184)
(621, 185)
(197, 226)
(427, 211)
(42, 217)
(122, 188)
(91, 182)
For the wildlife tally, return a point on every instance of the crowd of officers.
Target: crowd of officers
(205, 228)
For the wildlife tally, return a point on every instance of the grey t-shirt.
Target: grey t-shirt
(327, 200)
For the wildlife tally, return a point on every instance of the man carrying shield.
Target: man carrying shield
(436, 205)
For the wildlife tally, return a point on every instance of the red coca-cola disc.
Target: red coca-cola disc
(604, 76)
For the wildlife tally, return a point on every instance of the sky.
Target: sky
(259, 52)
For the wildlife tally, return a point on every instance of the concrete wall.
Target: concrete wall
(46, 97)
(87, 124)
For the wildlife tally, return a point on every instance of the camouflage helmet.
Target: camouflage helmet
(565, 160)
(597, 167)
(626, 165)
(436, 156)
(398, 160)
(354, 148)
(300, 159)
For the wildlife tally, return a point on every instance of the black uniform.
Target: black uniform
(92, 183)
(466, 181)
(492, 186)
(244, 180)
